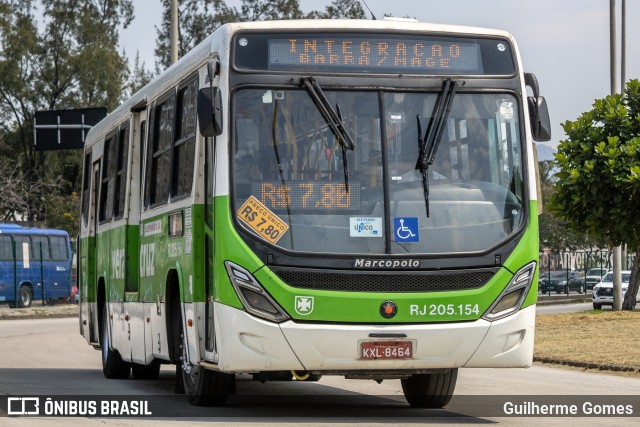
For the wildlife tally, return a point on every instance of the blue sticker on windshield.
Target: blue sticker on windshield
(405, 230)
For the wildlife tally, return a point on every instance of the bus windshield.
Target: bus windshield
(289, 186)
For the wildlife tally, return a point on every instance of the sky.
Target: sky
(565, 43)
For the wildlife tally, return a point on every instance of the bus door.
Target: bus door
(138, 328)
(90, 294)
(210, 347)
(210, 147)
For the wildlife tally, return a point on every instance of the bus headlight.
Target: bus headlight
(513, 294)
(252, 295)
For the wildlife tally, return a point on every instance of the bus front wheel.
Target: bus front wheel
(25, 297)
(205, 387)
(430, 390)
(113, 367)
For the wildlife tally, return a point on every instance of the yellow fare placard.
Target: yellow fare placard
(261, 220)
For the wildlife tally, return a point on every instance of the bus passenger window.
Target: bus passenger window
(184, 147)
(20, 241)
(108, 173)
(59, 248)
(159, 153)
(121, 173)
(6, 248)
(35, 248)
(86, 181)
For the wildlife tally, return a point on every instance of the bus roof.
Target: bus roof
(203, 51)
(17, 229)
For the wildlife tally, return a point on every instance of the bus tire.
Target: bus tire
(113, 367)
(25, 297)
(597, 306)
(205, 387)
(430, 390)
(146, 372)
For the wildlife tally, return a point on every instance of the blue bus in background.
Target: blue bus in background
(40, 269)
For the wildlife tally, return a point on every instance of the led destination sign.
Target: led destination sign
(373, 53)
(307, 195)
(377, 53)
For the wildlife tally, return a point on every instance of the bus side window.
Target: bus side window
(6, 248)
(158, 166)
(120, 186)
(35, 248)
(184, 145)
(143, 136)
(86, 181)
(59, 248)
(108, 178)
(20, 241)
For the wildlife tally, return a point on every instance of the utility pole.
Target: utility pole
(612, 46)
(623, 80)
(617, 251)
(174, 31)
(623, 46)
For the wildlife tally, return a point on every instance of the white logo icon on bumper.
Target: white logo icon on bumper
(304, 305)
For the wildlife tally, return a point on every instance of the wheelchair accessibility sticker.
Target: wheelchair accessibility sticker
(405, 230)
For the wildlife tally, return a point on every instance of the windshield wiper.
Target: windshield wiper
(333, 118)
(428, 146)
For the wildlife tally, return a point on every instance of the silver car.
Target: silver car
(594, 276)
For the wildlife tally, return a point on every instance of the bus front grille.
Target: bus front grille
(384, 281)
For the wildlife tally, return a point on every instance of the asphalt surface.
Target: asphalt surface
(50, 358)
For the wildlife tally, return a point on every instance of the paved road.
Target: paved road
(49, 357)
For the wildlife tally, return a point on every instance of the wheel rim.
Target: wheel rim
(24, 297)
(190, 373)
(190, 376)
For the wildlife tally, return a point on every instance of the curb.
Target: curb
(558, 301)
(587, 365)
(38, 311)
(39, 316)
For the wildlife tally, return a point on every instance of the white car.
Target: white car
(603, 291)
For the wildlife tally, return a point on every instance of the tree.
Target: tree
(598, 186)
(199, 18)
(12, 191)
(196, 19)
(137, 78)
(554, 232)
(56, 54)
(267, 10)
(341, 9)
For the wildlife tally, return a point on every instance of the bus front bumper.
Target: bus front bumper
(248, 344)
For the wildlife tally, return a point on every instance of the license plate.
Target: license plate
(386, 350)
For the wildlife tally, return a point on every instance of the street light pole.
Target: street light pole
(617, 251)
(623, 45)
(174, 31)
(612, 46)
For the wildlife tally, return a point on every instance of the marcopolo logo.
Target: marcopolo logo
(393, 264)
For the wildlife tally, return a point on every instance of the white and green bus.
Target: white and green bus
(318, 197)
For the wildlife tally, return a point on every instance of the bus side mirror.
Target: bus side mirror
(210, 111)
(539, 115)
(538, 111)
